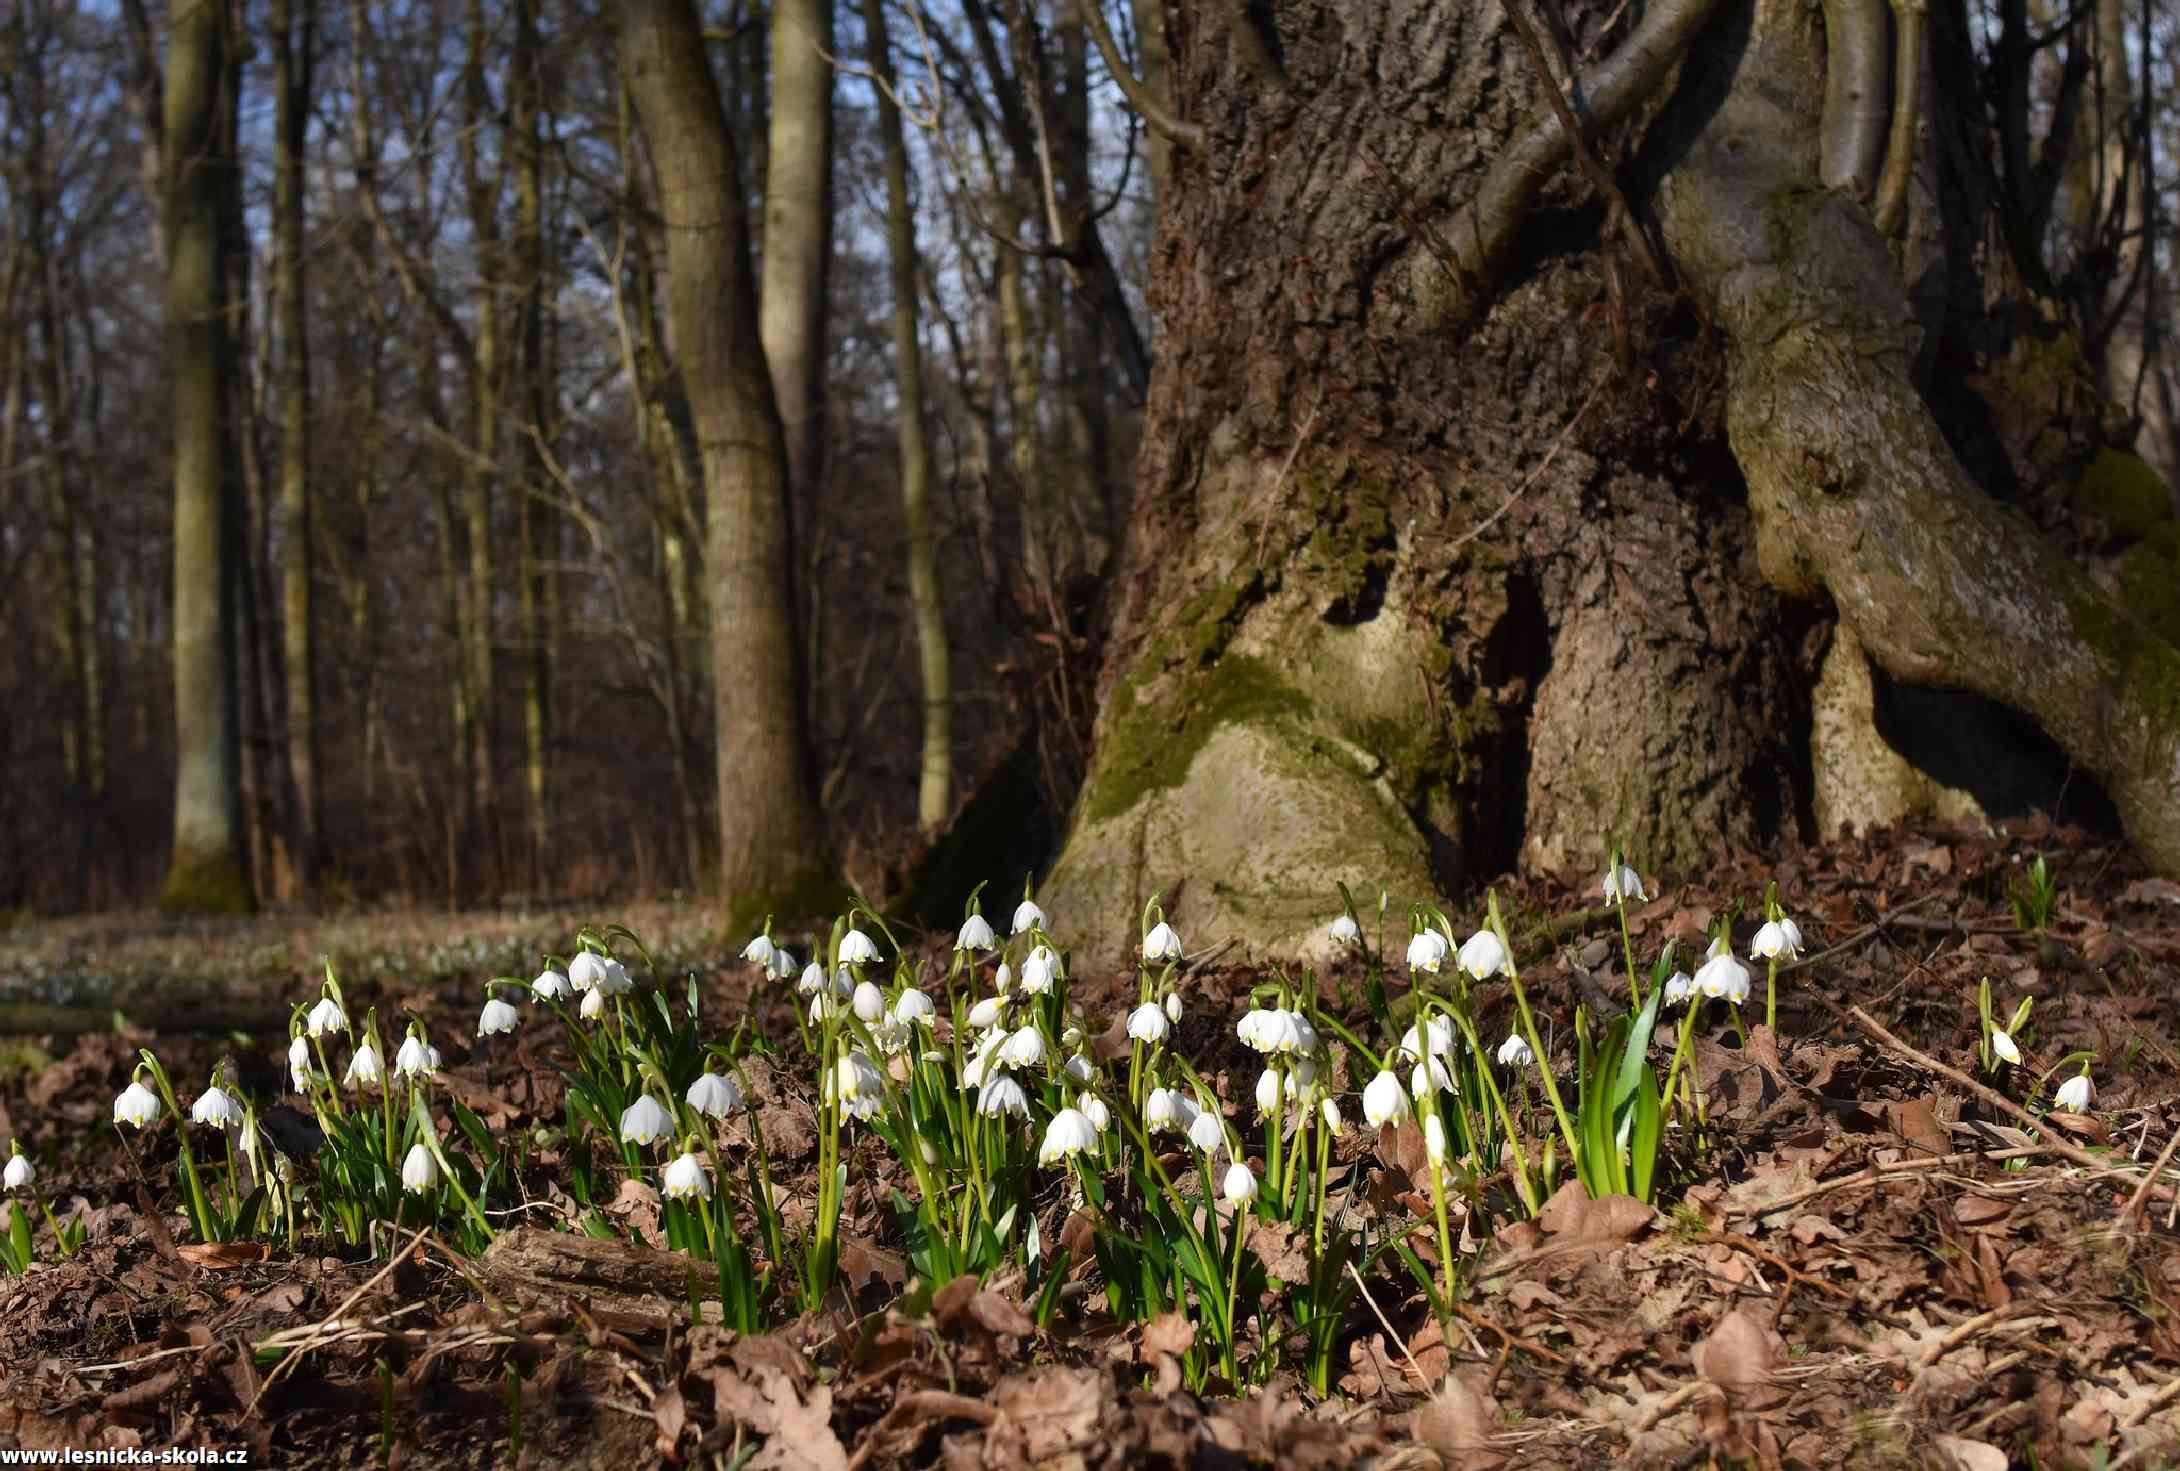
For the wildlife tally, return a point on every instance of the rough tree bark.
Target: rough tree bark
(798, 229)
(205, 871)
(773, 853)
(1458, 541)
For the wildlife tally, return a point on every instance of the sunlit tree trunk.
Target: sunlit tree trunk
(535, 525)
(798, 233)
(205, 871)
(772, 841)
(934, 788)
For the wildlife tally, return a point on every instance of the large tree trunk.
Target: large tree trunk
(798, 230)
(773, 853)
(1443, 554)
(206, 869)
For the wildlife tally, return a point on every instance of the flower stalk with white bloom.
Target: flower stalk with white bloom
(1778, 939)
(1622, 884)
(1496, 926)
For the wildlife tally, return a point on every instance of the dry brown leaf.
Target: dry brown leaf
(1740, 1352)
(637, 1204)
(217, 1256)
(672, 1415)
(1048, 1418)
(1283, 1250)
(1457, 1423)
(1956, 1453)
(1572, 1218)
(802, 1437)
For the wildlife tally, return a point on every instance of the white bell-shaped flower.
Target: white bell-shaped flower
(1025, 1047)
(976, 934)
(1068, 1135)
(1430, 1073)
(1147, 1023)
(1515, 1051)
(1427, 951)
(20, 1172)
(2074, 1094)
(1271, 1083)
(1240, 1185)
(589, 967)
(1774, 942)
(550, 985)
(215, 1106)
(1094, 1109)
(687, 1179)
(913, 1008)
(325, 1017)
(1080, 1068)
(1165, 1110)
(645, 1121)
(137, 1105)
(1027, 917)
(1161, 944)
(301, 1070)
(1040, 970)
(1344, 930)
(869, 1002)
(1384, 1100)
(1483, 955)
(2004, 1046)
(1623, 885)
(1723, 978)
(1205, 1131)
(415, 1058)
(985, 1061)
(593, 1005)
(496, 1017)
(614, 979)
(1328, 1108)
(1000, 1095)
(857, 948)
(988, 1013)
(419, 1169)
(756, 952)
(857, 1085)
(1679, 987)
(1434, 1036)
(1003, 978)
(365, 1070)
(813, 979)
(1434, 1138)
(714, 1095)
(783, 966)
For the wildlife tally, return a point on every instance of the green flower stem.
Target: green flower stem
(1233, 1289)
(1771, 998)
(1627, 948)
(1544, 1064)
(1523, 1183)
(1445, 1244)
(1683, 1047)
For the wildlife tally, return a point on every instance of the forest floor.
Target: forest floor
(1878, 1262)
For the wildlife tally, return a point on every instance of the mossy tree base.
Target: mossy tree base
(206, 884)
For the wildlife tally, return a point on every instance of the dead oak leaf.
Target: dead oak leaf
(1457, 1423)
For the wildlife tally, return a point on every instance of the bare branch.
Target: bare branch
(1907, 75)
(1148, 107)
(1854, 95)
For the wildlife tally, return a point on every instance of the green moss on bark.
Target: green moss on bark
(2149, 581)
(205, 884)
(2123, 489)
(2143, 667)
(1147, 747)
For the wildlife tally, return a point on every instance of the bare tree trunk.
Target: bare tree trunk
(206, 869)
(934, 788)
(534, 518)
(481, 469)
(773, 854)
(295, 26)
(798, 231)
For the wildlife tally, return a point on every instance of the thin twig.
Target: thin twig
(1390, 1331)
(1879, 1172)
(2130, 1215)
(1990, 1096)
(330, 1323)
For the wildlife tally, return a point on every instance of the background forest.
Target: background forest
(467, 561)
(472, 628)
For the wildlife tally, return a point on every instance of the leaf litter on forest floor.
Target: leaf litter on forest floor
(1870, 1271)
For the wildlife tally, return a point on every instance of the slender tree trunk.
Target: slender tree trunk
(295, 26)
(534, 519)
(798, 230)
(772, 840)
(934, 788)
(481, 470)
(206, 869)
